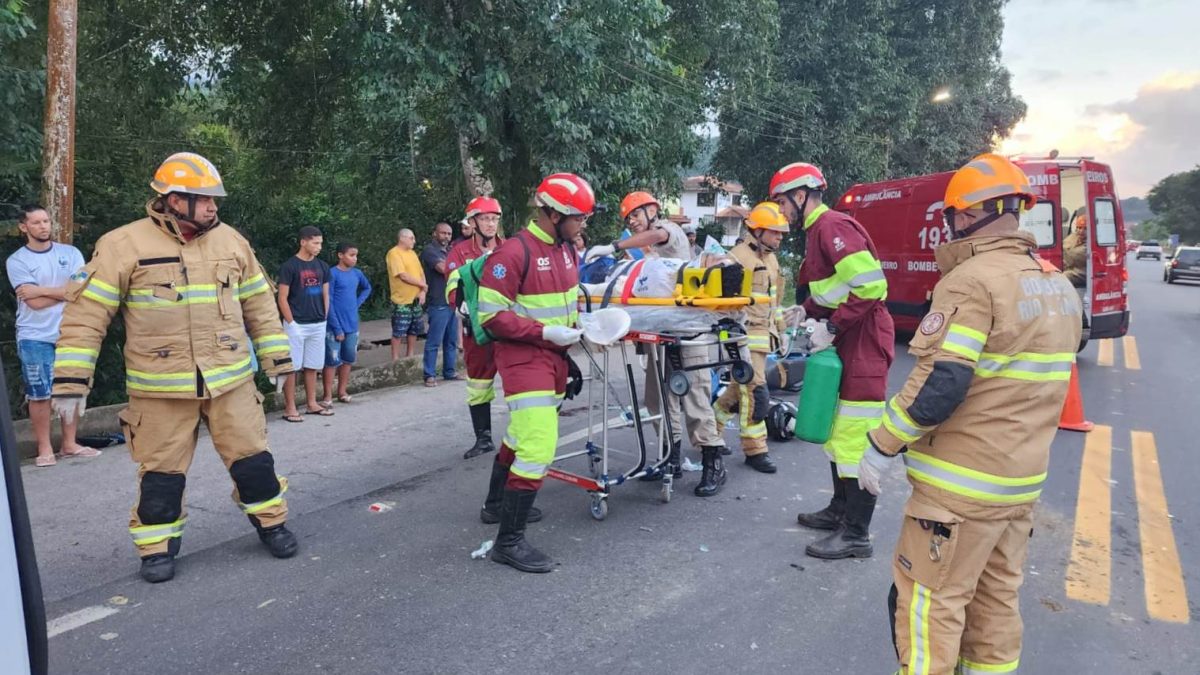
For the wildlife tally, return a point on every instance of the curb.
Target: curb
(103, 420)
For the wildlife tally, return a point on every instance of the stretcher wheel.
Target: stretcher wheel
(741, 372)
(599, 507)
(678, 383)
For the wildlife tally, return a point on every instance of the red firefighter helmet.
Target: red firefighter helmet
(483, 205)
(798, 175)
(567, 194)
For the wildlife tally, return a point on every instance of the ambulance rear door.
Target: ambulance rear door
(1107, 275)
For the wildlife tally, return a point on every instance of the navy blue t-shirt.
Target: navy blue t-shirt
(304, 280)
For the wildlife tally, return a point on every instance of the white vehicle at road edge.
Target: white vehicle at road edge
(1149, 249)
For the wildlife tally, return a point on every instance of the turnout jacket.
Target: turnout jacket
(845, 279)
(763, 321)
(994, 358)
(191, 310)
(530, 281)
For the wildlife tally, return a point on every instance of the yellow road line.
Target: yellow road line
(1132, 361)
(1088, 574)
(1104, 357)
(1166, 596)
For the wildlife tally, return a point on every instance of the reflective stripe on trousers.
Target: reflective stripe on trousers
(532, 432)
(251, 509)
(848, 439)
(144, 535)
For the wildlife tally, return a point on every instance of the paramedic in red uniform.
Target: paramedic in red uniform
(483, 214)
(528, 299)
(847, 290)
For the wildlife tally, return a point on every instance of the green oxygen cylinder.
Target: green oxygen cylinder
(819, 397)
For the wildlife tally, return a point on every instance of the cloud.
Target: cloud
(1166, 139)
(1145, 138)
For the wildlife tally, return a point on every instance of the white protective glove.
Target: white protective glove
(69, 408)
(795, 315)
(818, 334)
(597, 252)
(871, 469)
(561, 335)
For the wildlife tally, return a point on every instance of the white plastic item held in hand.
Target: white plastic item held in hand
(604, 327)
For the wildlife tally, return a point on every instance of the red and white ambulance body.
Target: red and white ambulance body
(904, 218)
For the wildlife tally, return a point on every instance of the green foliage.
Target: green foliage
(851, 86)
(1176, 202)
(365, 117)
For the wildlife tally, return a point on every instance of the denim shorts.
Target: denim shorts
(337, 353)
(407, 320)
(37, 368)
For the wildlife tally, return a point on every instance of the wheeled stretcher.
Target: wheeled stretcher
(608, 464)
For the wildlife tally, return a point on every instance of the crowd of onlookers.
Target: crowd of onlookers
(319, 306)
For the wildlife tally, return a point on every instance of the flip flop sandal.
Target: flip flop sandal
(327, 404)
(294, 419)
(430, 382)
(323, 412)
(345, 399)
(45, 461)
(85, 452)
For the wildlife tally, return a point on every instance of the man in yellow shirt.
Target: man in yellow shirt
(406, 279)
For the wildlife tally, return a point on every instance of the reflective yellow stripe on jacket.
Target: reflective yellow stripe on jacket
(972, 483)
(548, 309)
(858, 273)
(1027, 366)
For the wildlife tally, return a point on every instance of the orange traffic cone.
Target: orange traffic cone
(1072, 418)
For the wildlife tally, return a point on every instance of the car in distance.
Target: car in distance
(1184, 265)
(1149, 249)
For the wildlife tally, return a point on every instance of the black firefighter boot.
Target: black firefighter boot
(830, 517)
(713, 475)
(481, 419)
(160, 567)
(512, 548)
(279, 540)
(853, 538)
(490, 513)
(673, 460)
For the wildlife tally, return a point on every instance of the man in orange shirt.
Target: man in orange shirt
(406, 280)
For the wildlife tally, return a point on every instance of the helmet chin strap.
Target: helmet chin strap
(759, 244)
(484, 240)
(190, 218)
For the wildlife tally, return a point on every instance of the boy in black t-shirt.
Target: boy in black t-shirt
(304, 304)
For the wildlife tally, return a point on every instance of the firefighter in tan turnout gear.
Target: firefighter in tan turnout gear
(994, 359)
(765, 229)
(195, 301)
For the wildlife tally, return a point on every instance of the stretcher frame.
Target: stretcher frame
(661, 349)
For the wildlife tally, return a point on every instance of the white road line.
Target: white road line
(613, 423)
(83, 617)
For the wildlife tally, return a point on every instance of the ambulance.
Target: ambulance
(904, 218)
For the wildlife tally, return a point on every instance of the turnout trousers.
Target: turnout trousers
(867, 353)
(481, 371)
(752, 402)
(535, 382)
(954, 601)
(162, 434)
(693, 411)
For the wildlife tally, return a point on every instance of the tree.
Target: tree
(851, 87)
(1176, 202)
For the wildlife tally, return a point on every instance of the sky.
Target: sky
(1115, 79)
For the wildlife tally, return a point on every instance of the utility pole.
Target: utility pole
(58, 148)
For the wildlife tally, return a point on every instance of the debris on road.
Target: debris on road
(688, 465)
(108, 636)
(482, 551)
(264, 604)
(381, 507)
(703, 548)
(118, 600)
(643, 528)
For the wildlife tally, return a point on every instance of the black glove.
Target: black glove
(574, 378)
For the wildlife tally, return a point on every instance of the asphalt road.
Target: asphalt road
(717, 585)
